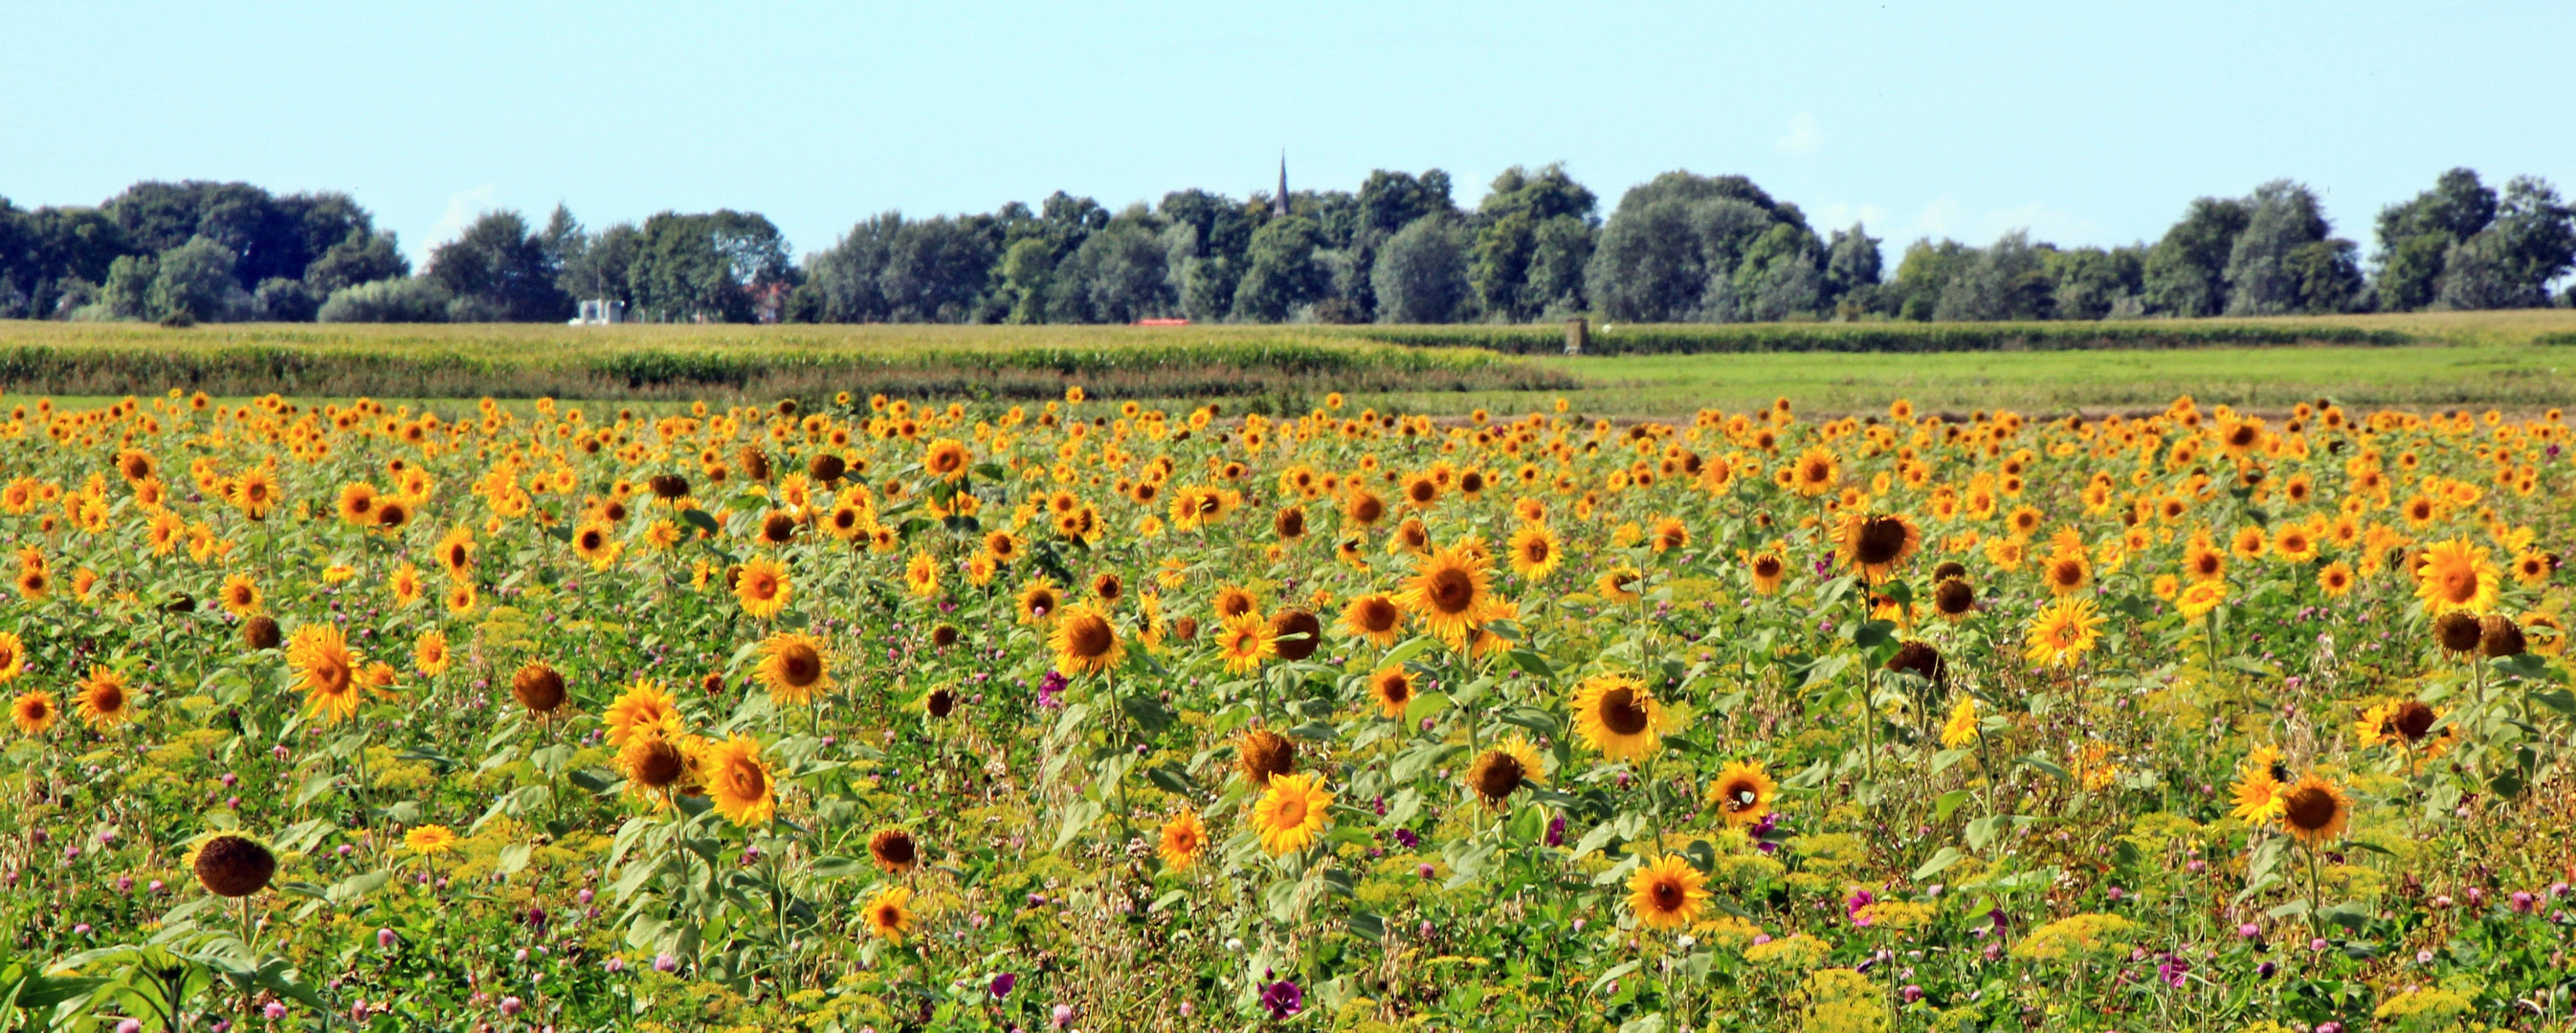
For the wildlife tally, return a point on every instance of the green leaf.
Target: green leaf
(1148, 712)
(1410, 648)
(1947, 804)
(1531, 662)
(1939, 863)
(514, 858)
(699, 519)
(354, 888)
(1425, 705)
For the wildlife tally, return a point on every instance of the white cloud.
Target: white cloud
(1804, 138)
(462, 209)
(1841, 214)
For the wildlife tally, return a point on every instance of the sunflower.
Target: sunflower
(1392, 688)
(894, 851)
(794, 667)
(1085, 642)
(430, 655)
(1450, 591)
(596, 541)
(2204, 563)
(2456, 575)
(34, 712)
(240, 597)
(922, 575)
(538, 687)
(1291, 812)
(326, 672)
(460, 599)
(2314, 810)
(1535, 552)
(1767, 568)
(1618, 716)
(1183, 838)
(2066, 573)
(1374, 617)
(763, 587)
(1743, 793)
(255, 492)
(654, 759)
(645, 708)
(1245, 642)
(887, 916)
(739, 781)
(1669, 534)
(1665, 893)
(2404, 724)
(1874, 545)
(1954, 598)
(13, 656)
(1621, 583)
(947, 459)
(429, 840)
(405, 585)
(1961, 727)
(1815, 473)
(2200, 598)
(2062, 633)
(2335, 580)
(357, 504)
(455, 554)
(1503, 770)
(2256, 794)
(2531, 569)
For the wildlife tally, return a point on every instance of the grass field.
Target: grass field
(2519, 360)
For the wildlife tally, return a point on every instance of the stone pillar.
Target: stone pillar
(1577, 334)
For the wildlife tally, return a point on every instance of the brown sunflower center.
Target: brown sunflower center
(799, 665)
(2413, 720)
(1450, 590)
(1880, 541)
(746, 779)
(1668, 895)
(2308, 808)
(1621, 713)
(234, 866)
(1498, 775)
(659, 764)
(1090, 637)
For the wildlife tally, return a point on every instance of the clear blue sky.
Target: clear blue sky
(2085, 122)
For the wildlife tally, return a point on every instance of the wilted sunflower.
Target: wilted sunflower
(739, 781)
(1535, 551)
(1503, 770)
(232, 865)
(645, 708)
(763, 587)
(1618, 716)
(538, 687)
(1374, 617)
(1182, 839)
(1085, 642)
(1296, 634)
(2456, 575)
(1246, 642)
(894, 851)
(1450, 592)
(1291, 812)
(2062, 633)
(1874, 544)
(1954, 598)
(1262, 754)
(34, 712)
(2499, 636)
(2314, 810)
(1743, 793)
(793, 666)
(1665, 894)
(887, 916)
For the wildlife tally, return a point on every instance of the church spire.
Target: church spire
(1279, 201)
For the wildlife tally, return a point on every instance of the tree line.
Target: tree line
(1399, 249)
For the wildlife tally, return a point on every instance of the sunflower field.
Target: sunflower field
(906, 714)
